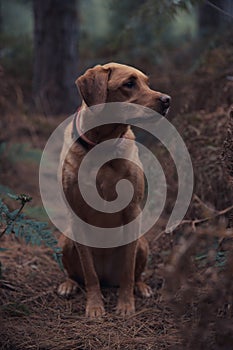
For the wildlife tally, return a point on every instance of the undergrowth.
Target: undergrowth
(32, 231)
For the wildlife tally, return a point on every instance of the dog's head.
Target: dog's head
(115, 82)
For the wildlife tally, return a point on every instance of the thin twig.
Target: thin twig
(38, 296)
(5, 284)
(203, 204)
(19, 211)
(219, 9)
(193, 223)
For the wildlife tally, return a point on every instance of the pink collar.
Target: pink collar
(82, 134)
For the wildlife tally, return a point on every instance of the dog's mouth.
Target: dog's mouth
(165, 111)
(150, 117)
(140, 120)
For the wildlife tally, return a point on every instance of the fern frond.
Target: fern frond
(32, 231)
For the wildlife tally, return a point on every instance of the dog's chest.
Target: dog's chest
(105, 175)
(111, 174)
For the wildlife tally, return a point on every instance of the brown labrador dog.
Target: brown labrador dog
(121, 266)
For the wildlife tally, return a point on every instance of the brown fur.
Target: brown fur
(124, 265)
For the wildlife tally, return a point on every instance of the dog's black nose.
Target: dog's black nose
(166, 100)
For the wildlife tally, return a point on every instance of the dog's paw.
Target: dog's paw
(67, 288)
(125, 308)
(94, 310)
(143, 289)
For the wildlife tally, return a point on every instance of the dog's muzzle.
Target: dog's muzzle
(165, 101)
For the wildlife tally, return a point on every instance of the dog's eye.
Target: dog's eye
(129, 84)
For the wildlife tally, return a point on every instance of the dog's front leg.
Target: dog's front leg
(94, 306)
(126, 304)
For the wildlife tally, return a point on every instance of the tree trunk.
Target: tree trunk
(0, 16)
(212, 19)
(56, 58)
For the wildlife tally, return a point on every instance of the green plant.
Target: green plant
(20, 152)
(32, 231)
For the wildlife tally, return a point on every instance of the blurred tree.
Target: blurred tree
(0, 16)
(55, 55)
(143, 27)
(213, 15)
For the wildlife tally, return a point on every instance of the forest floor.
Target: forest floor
(189, 270)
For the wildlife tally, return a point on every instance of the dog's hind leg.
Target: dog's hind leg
(141, 261)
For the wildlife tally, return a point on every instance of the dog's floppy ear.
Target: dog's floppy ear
(93, 85)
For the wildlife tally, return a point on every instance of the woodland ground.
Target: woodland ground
(189, 270)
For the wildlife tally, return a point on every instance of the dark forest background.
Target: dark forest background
(46, 44)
